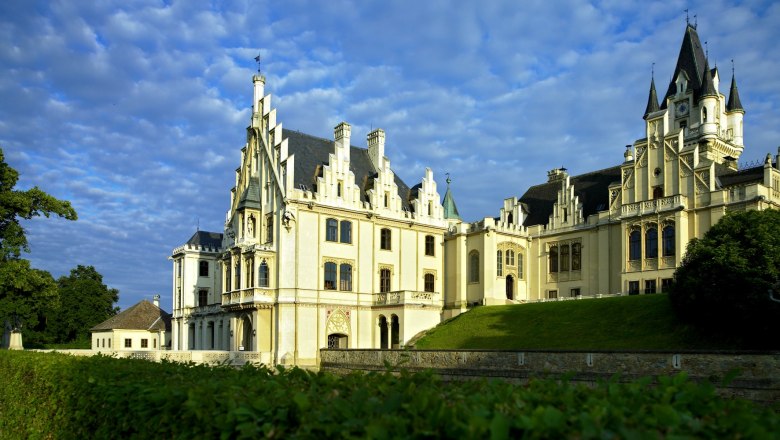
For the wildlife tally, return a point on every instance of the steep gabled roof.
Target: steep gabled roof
(691, 60)
(250, 198)
(311, 154)
(205, 238)
(591, 188)
(142, 316)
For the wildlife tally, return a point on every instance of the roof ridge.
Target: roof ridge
(320, 138)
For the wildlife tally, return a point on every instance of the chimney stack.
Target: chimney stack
(156, 301)
(376, 147)
(342, 133)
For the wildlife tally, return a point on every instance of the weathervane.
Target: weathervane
(652, 71)
(687, 21)
(706, 50)
(257, 60)
(448, 178)
(732, 67)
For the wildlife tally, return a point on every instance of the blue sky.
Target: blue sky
(135, 111)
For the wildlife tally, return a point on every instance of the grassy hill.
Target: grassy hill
(644, 322)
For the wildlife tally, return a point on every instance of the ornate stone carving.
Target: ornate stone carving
(338, 322)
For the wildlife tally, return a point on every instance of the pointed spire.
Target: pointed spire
(734, 104)
(691, 60)
(707, 85)
(450, 210)
(652, 100)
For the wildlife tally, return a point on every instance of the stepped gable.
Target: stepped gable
(142, 316)
(311, 154)
(591, 188)
(207, 239)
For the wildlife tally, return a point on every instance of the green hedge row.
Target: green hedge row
(60, 396)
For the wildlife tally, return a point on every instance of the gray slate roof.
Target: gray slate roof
(311, 155)
(591, 188)
(728, 177)
(142, 316)
(205, 238)
(692, 61)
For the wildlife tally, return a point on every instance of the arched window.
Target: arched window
(499, 262)
(576, 256)
(668, 241)
(384, 239)
(429, 282)
(346, 232)
(394, 332)
(262, 279)
(345, 277)
(384, 280)
(429, 245)
(634, 245)
(520, 265)
(651, 243)
(383, 333)
(510, 258)
(474, 267)
(704, 114)
(330, 276)
(331, 229)
(203, 268)
(510, 218)
(564, 258)
(553, 259)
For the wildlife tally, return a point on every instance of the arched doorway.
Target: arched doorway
(383, 340)
(246, 334)
(394, 332)
(510, 287)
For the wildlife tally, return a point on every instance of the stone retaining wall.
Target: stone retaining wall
(758, 379)
(211, 357)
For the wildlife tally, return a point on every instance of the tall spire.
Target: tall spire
(707, 85)
(734, 104)
(450, 210)
(691, 60)
(652, 99)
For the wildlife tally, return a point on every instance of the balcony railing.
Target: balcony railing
(406, 297)
(652, 206)
(248, 296)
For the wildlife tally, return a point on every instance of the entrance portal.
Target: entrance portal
(510, 287)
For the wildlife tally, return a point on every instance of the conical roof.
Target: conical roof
(652, 100)
(734, 103)
(450, 210)
(707, 84)
(691, 60)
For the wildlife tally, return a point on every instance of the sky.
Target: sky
(135, 111)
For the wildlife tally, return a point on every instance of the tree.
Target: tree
(24, 291)
(724, 280)
(84, 301)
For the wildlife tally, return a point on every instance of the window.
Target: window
(634, 245)
(649, 286)
(227, 278)
(144, 343)
(262, 275)
(346, 232)
(109, 343)
(345, 277)
(704, 114)
(651, 243)
(331, 229)
(429, 282)
(565, 215)
(430, 208)
(520, 265)
(202, 297)
(565, 258)
(203, 269)
(576, 256)
(510, 258)
(658, 192)
(237, 282)
(666, 284)
(154, 343)
(553, 259)
(128, 343)
(474, 267)
(338, 189)
(269, 228)
(330, 276)
(575, 292)
(499, 261)
(552, 294)
(384, 239)
(387, 199)
(429, 245)
(510, 218)
(250, 272)
(633, 287)
(668, 241)
(384, 280)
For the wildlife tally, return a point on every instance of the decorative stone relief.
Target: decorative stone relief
(338, 322)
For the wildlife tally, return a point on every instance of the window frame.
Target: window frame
(263, 275)
(345, 226)
(576, 256)
(499, 264)
(474, 267)
(635, 245)
(384, 280)
(651, 242)
(331, 269)
(345, 277)
(331, 230)
(668, 241)
(430, 246)
(144, 343)
(385, 239)
(553, 259)
(429, 282)
(128, 343)
(201, 265)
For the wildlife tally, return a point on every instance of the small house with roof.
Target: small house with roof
(144, 326)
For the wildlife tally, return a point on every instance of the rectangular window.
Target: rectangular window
(128, 343)
(633, 287)
(552, 294)
(553, 259)
(331, 229)
(499, 261)
(520, 265)
(649, 286)
(345, 277)
(429, 280)
(109, 343)
(575, 292)
(576, 256)
(565, 258)
(429, 245)
(635, 245)
(346, 232)
(144, 343)
(269, 228)
(384, 280)
(384, 239)
(666, 284)
(203, 298)
(203, 269)
(154, 343)
(330, 276)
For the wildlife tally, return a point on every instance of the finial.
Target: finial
(706, 50)
(732, 67)
(695, 21)
(687, 22)
(652, 71)
(257, 60)
(448, 178)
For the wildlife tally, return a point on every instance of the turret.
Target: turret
(735, 114)
(652, 100)
(259, 91)
(708, 102)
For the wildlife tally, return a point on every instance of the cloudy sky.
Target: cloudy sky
(135, 111)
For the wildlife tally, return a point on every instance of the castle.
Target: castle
(324, 246)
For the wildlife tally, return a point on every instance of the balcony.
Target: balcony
(250, 295)
(670, 203)
(407, 297)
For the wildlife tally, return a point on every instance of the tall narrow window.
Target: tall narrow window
(668, 241)
(429, 279)
(553, 259)
(262, 280)
(384, 280)
(510, 218)
(634, 245)
(429, 245)
(330, 276)
(338, 189)
(345, 277)
(651, 243)
(387, 199)
(203, 268)
(269, 228)
(384, 239)
(520, 265)
(564, 258)
(228, 278)
(576, 256)
(237, 281)
(346, 232)
(331, 229)
(430, 209)
(203, 298)
(499, 267)
(510, 258)
(474, 267)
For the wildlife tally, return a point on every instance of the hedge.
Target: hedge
(49, 395)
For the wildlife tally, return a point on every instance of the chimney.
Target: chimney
(556, 174)
(156, 301)
(342, 134)
(376, 147)
(628, 155)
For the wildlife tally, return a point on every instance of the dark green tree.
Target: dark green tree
(84, 301)
(24, 291)
(723, 284)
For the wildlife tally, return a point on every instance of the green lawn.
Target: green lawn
(644, 322)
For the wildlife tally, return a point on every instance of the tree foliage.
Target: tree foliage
(29, 294)
(84, 301)
(724, 280)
